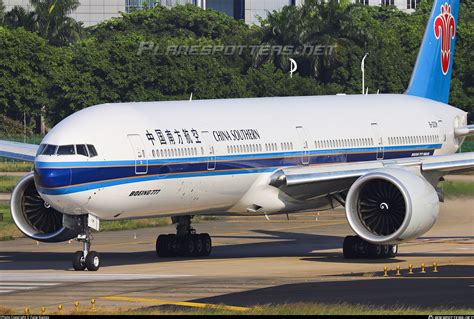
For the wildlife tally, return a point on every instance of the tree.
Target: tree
(50, 19)
(20, 17)
(54, 21)
(2, 12)
(25, 61)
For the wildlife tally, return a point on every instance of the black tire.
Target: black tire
(78, 262)
(374, 251)
(393, 251)
(198, 245)
(93, 261)
(385, 251)
(206, 244)
(162, 246)
(188, 246)
(348, 247)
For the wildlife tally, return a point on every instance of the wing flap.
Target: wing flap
(333, 178)
(449, 163)
(19, 151)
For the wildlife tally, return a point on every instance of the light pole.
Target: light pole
(362, 68)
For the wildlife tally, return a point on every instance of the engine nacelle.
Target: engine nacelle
(391, 205)
(34, 217)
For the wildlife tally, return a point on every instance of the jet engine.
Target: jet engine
(391, 205)
(36, 218)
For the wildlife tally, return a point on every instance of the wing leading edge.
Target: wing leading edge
(327, 179)
(19, 151)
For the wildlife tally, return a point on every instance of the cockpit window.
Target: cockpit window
(49, 150)
(40, 149)
(82, 150)
(92, 151)
(66, 150)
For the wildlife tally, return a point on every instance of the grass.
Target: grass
(457, 189)
(15, 166)
(9, 231)
(284, 309)
(7, 183)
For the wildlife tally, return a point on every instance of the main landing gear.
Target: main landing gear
(86, 258)
(355, 247)
(185, 243)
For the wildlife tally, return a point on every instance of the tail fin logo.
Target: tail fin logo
(445, 28)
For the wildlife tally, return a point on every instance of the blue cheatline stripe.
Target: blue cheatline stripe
(66, 180)
(85, 187)
(236, 156)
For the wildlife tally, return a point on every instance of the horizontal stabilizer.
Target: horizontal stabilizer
(464, 130)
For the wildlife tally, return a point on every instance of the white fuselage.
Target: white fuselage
(216, 156)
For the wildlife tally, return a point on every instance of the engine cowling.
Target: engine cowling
(34, 217)
(391, 205)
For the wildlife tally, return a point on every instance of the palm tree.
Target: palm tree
(54, 21)
(2, 12)
(50, 19)
(20, 17)
(315, 23)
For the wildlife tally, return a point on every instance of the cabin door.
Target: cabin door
(378, 141)
(304, 143)
(210, 150)
(138, 149)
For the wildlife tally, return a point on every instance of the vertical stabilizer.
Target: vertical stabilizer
(431, 77)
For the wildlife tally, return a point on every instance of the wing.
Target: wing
(306, 182)
(20, 151)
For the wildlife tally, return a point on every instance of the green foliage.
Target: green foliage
(49, 19)
(105, 66)
(2, 12)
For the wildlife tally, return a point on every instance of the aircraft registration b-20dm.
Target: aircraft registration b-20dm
(380, 156)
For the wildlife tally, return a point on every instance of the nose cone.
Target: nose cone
(52, 177)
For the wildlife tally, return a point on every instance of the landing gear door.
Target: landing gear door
(138, 149)
(378, 141)
(210, 150)
(304, 143)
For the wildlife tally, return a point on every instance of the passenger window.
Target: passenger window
(50, 150)
(92, 150)
(82, 150)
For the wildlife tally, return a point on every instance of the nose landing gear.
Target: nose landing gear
(86, 259)
(186, 242)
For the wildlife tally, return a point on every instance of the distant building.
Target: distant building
(91, 12)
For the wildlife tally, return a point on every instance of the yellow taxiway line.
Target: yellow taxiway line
(177, 303)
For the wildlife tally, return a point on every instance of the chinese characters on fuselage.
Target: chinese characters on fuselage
(173, 136)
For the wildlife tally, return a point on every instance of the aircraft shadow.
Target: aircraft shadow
(309, 247)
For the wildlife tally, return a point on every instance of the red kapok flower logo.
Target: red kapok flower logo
(445, 28)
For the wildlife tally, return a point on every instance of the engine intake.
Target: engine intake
(34, 217)
(391, 205)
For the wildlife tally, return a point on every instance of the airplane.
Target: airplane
(380, 156)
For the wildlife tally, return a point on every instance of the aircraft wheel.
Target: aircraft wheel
(349, 247)
(207, 244)
(93, 261)
(162, 246)
(198, 245)
(78, 262)
(393, 251)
